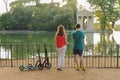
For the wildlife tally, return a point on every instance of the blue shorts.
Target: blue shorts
(79, 52)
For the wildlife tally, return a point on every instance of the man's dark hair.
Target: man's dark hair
(78, 25)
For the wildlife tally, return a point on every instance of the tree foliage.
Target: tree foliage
(107, 11)
(37, 16)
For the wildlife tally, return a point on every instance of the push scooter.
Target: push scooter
(38, 64)
(46, 62)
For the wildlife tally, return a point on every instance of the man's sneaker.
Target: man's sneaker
(84, 69)
(77, 68)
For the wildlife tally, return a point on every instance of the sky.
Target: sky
(80, 2)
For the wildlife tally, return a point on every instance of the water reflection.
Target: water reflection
(5, 54)
(104, 43)
(115, 36)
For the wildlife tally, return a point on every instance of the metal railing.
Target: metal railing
(102, 55)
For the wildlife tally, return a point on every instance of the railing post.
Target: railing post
(93, 52)
(0, 54)
(51, 54)
(105, 56)
(117, 55)
(68, 55)
(11, 55)
(111, 56)
(22, 53)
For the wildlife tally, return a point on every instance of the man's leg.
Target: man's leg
(82, 62)
(76, 61)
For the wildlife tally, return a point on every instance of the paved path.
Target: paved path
(8, 73)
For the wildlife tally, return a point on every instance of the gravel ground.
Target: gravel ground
(13, 73)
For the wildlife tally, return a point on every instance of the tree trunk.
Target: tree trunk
(113, 23)
(6, 4)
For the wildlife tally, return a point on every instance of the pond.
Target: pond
(38, 37)
(26, 37)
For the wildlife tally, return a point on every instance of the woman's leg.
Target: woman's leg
(59, 58)
(63, 50)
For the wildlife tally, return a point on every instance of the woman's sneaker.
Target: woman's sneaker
(59, 69)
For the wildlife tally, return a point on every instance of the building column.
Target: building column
(80, 21)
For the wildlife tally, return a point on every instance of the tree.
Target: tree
(6, 4)
(106, 11)
(65, 17)
(21, 18)
(5, 21)
(72, 4)
(41, 16)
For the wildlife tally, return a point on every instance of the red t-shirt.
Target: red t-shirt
(60, 41)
